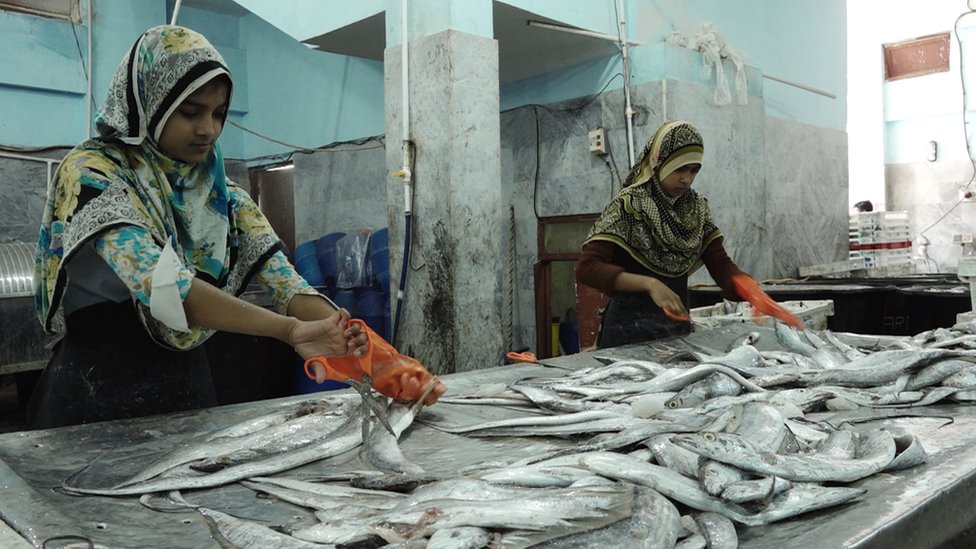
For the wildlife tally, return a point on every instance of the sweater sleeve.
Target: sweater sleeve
(597, 266)
(721, 267)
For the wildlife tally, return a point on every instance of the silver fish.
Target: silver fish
(345, 437)
(535, 476)
(672, 456)
(877, 368)
(718, 530)
(246, 534)
(542, 421)
(874, 453)
(248, 439)
(714, 476)
(715, 385)
(381, 446)
(463, 537)
(761, 489)
(674, 485)
(788, 337)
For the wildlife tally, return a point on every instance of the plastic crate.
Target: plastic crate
(835, 268)
(884, 257)
(813, 313)
(879, 219)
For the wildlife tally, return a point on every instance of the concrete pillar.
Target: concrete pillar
(450, 318)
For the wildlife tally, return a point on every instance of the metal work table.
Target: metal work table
(920, 507)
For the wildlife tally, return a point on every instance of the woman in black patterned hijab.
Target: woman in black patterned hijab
(654, 234)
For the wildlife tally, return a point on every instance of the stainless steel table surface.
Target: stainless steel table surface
(918, 508)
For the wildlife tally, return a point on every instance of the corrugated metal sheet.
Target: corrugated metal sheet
(16, 269)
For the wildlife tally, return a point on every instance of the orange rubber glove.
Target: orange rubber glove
(399, 376)
(392, 374)
(748, 289)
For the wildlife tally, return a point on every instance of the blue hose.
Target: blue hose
(401, 287)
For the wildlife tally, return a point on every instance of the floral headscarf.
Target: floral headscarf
(664, 234)
(122, 179)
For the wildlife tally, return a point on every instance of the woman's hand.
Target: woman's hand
(333, 336)
(663, 297)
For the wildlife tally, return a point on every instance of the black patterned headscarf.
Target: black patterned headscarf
(665, 234)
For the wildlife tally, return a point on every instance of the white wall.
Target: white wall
(937, 97)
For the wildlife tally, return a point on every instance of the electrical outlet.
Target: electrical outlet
(967, 194)
(598, 142)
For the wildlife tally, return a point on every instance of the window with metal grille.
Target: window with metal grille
(917, 57)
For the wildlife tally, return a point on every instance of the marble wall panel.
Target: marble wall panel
(23, 184)
(340, 190)
(929, 192)
(807, 203)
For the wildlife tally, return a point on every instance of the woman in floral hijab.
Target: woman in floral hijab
(145, 245)
(651, 237)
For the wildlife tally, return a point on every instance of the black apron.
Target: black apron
(635, 318)
(107, 367)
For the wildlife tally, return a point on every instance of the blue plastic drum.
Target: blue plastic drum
(372, 307)
(326, 249)
(307, 263)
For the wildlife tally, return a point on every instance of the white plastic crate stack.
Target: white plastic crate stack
(881, 242)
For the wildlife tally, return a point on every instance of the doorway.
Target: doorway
(567, 319)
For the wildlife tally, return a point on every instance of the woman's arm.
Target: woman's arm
(314, 329)
(721, 268)
(597, 268)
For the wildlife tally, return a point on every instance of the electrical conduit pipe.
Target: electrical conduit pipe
(405, 171)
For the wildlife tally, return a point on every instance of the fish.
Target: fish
(245, 534)
(535, 476)
(322, 496)
(531, 422)
(671, 484)
(549, 399)
(381, 446)
(715, 385)
(875, 451)
(718, 530)
(462, 537)
(672, 380)
(674, 457)
(761, 490)
(749, 338)
(653, 523)
(345, 437)
(247, 439)
(877, 368)
(788, 337)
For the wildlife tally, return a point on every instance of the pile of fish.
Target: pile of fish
(677, 453)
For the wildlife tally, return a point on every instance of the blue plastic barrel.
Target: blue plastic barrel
(326, 249)
(372, 307)
(307, 263)
(379, 262)
(347, 300)
(303, 385)
(379, 258)
(380, 239)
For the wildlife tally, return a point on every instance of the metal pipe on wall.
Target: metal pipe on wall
(625, 66)
(49, 161)
(406, 170)
(176, 12)
(91, 77)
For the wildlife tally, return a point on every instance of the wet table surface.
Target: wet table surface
(920, 507)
